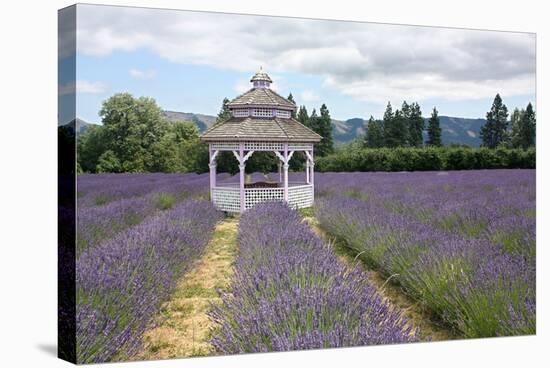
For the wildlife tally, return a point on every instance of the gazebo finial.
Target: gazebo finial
(261, 79)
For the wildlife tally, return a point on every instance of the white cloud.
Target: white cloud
(242, 86)
(309, 96)
(82, 86)
(373, 62)
(142, 74)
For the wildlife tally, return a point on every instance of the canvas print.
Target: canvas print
(235, 184)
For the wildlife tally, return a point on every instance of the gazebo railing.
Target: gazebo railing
(227, 198)
(300, 196)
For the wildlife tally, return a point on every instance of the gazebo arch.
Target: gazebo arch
(261, 120)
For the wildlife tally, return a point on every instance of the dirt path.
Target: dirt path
(418, 318)
(183, 328)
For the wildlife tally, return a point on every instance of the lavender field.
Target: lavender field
(137, 234)
(461, 243)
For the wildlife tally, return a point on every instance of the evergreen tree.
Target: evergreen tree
(434, 130)
(224, 113)
(415, 125)
(527, 127)
(395, 128)
(291, 99)
(324, 129)
(311, 122)
(513, 138)
(374, 138)
(302, 116)
(493, 133)
(406, 112)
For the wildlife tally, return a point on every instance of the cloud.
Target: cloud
(142, 74)
(371, 62)
(309, 96)
(81, 86)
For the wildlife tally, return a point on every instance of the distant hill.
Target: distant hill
(78, 125)
(202, 121)
(454, 130)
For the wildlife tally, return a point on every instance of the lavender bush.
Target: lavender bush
(146, 194)
(290, 292)
(122, 282)
(462, 243)
(100, 189)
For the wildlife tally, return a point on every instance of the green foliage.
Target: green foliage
(434, 130)
(374, 138)
(322, 125)
(135, 137)
(427, 158)
(395, 129)
(224, 113)
(303, 116)
(291, 99)
(493, 133)
(164, 201)
(108, 162)
(415, 125)
(523, 128)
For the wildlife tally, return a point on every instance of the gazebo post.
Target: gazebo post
(285, 174)
(279, 165)
(311, 176)
(307, 169)
(242, 165)
(212, 166)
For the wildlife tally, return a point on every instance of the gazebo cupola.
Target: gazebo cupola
(261, 120)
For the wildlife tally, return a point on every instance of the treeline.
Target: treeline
(404, 128)
(427, 158)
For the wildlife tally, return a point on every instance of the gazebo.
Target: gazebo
(261, 120)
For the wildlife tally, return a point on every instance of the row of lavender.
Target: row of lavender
(462, 243)
(290, 292)
(110, 203)
(134, 252)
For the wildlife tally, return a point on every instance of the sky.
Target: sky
(189, 61)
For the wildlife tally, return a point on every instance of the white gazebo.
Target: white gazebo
(261, 120)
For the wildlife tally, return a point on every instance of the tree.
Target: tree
(527, 128)
(415, 125)
(324, 129)
(291, 99)
(90, 146)
(224, 113)
(131, 126)
(374, 138)
(302, 116)
(493, 133)
(395, 128)
(109, 163)
(434, 130)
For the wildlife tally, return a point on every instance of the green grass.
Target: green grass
(164, 201)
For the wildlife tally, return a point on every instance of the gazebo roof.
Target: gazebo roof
(261, 96)
(260, 129)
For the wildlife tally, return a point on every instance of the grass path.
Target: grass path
(419, 318)
(183, 328)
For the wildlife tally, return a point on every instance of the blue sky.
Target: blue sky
(190, 61)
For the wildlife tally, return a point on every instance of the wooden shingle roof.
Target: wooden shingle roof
(261, 96)
(260, 129)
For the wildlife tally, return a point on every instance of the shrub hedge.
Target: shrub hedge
(427, 158)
